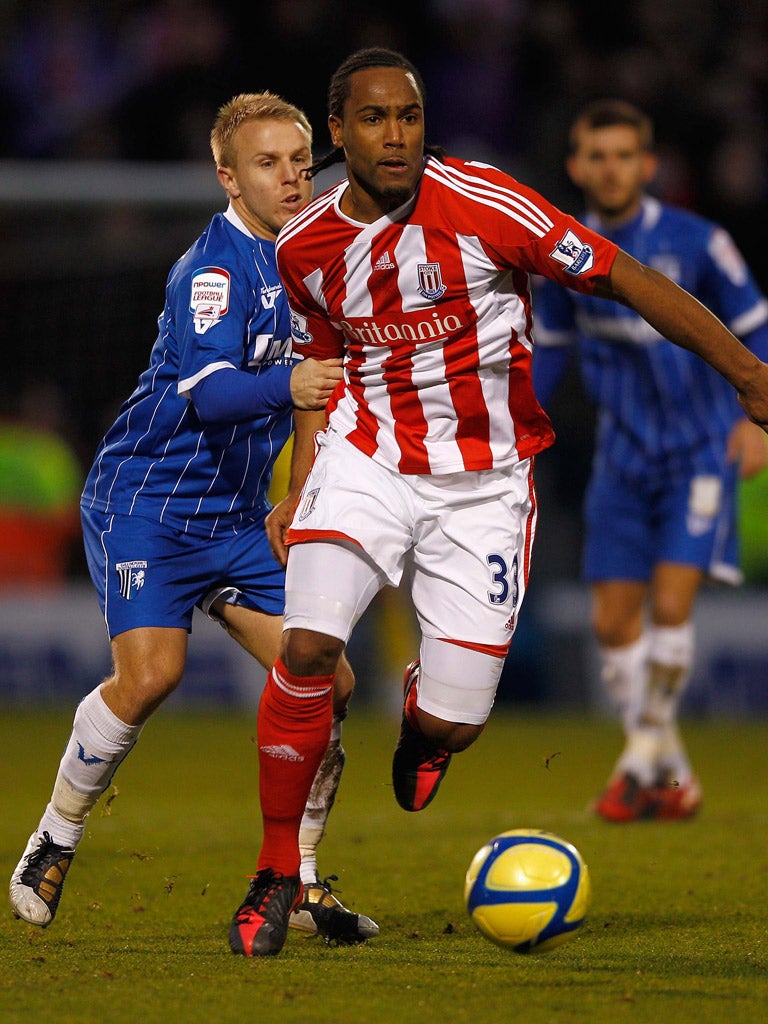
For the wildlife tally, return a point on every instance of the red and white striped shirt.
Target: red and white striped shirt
(430, 306)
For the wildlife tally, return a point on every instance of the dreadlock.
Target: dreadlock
(336, 156)
(339, 90)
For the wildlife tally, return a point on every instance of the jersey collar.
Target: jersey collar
(646, 218)
(235, 221)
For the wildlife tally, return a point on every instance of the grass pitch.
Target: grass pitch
(676, 931)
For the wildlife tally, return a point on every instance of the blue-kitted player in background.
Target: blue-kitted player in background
(660, 508)
(174, 505)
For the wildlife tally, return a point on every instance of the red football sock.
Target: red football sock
(293, 728)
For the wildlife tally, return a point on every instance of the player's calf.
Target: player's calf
(418, 766)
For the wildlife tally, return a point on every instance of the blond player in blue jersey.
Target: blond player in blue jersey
(660, 508)
(174, 506)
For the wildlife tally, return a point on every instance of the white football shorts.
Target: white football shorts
(465, 540)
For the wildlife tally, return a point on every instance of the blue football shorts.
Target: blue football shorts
(148, 574)
(631, 526)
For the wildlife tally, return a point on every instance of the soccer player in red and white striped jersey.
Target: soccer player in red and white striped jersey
(430, 307)
(415, 270)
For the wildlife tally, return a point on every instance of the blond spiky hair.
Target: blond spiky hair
(251, 106)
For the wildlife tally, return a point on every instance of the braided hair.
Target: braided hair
(339, 90)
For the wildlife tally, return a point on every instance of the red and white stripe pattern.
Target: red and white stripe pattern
(431, 307)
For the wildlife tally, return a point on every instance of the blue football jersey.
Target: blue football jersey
(658, 403)
(224, 308)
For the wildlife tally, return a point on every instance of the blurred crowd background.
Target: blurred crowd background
(106, 177)
(141, 79)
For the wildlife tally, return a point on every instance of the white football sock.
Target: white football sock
(673, 764)
(97, 746)
(640, 754)
(320, 802)
(624, 673)
(671, 651)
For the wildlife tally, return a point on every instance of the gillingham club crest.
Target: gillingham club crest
(132, 577)
(430, 281)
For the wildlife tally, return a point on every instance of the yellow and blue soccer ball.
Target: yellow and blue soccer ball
(527, 889)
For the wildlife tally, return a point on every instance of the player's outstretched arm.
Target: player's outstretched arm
(677, 315)
(313, 381)
(306, 425)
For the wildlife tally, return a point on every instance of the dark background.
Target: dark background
(84, 84)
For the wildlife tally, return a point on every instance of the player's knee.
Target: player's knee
(135, 695)
(607, 634)
(618, 611)
(669, 610)
(307, 653)
(612, 629)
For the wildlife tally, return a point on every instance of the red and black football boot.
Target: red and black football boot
(418, 766)
(624, 799)
(673, 801)
(260, 924)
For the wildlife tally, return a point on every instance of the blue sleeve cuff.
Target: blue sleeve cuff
(234, 396)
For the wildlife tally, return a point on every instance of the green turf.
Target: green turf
(676, 933)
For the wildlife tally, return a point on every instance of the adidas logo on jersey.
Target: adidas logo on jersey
(282, 752)
(384, 262)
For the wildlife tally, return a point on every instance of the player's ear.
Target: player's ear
(228, 182)
(573, 166)
(650, 166)
(335, 127)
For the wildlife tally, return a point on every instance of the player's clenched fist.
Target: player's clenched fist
(313, 381)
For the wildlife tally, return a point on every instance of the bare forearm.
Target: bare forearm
(306, 425)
